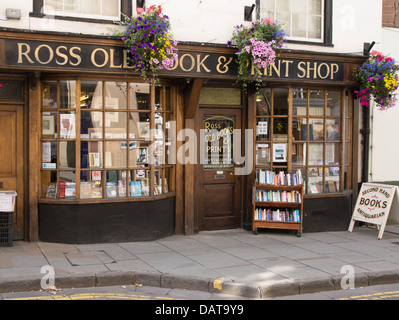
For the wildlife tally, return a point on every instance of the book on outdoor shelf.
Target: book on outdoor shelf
(264, 214)
(279, 179)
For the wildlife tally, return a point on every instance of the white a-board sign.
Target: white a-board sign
(373, 205)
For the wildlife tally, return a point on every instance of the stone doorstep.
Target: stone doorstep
(172, 281)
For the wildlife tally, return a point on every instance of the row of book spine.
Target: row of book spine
(263, 214)
(278, 196)
(279, 179)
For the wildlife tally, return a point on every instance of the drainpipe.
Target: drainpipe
(366, 126)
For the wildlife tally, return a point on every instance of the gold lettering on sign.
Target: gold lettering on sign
(51, 54)
(23, 51)
(76, 56)
(201, 63)
(93, 58)
(192, 62)
(222, 63)
(61, 55)
(113, 60)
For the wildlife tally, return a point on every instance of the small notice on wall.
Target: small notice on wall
(373, 205)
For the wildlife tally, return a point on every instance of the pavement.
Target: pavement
(233, 262)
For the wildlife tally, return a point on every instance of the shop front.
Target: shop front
(105, 157)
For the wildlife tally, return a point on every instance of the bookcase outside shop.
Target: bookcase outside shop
(278, 202)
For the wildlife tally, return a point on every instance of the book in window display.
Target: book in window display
(111, 189)
(67, 126)
(135, 189)
(51, 191)
(85, 190)
(97, 190)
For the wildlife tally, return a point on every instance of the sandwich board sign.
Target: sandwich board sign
(373, 205)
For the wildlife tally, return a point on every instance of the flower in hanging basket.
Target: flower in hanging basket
(256, 46)
(378, 79)
(149, 41)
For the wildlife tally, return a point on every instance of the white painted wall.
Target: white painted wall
(384, 154)
(210, 21)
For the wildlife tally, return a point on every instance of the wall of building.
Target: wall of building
(384, 153)
(209, 21)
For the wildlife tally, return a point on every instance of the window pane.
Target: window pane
(334, 103)
(67, 155)
(49, 95)
(49, 185)
(315, 7)
(67, 185)
(268, 4)
(67, 125)
(263, 154)
(284, 18)
(91, 185)
(220, 96)
(333, 153)
(139, 125)
(68, 94)
(91, 154)
(280, 101)
(283, 5)
(299, 154)
(139, 96)
(91, 125)
(91, 96)
(49, 155)
(116, 95)
(316, 103)
(299, 6)
(299, 25)
(315, 184)
(263, 129)
(115, 125)
(300, 129)
(333, 129)
(263, 102)
(314, 28)
(316, 129)
(300, 102)
(116, 182)
(316, 152)
(332, 180)
(138, 154)
(49, 124)
(115, 154)
(139, 183)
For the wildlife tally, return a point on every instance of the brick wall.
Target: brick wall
(390, 13)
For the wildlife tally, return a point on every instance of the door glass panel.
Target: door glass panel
(218, 142)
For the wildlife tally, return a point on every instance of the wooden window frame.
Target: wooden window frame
(345, 141)
(328, 26)
(37, 12)
(166, 108)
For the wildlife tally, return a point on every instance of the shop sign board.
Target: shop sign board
(374, 205)
(69, 56)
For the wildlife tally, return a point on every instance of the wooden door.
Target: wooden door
(219, 189)
(12, 160)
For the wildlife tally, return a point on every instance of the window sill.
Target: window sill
(75, 19)
(311, 43)
(101, 201)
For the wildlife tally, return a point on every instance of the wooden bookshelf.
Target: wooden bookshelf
(280, 212)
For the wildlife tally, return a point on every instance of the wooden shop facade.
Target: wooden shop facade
(98, 155)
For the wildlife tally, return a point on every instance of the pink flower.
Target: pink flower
(140, 10)
(376, 53)
(371, 79)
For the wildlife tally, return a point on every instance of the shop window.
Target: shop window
(105, 140)
(304, 20)
(307, 130)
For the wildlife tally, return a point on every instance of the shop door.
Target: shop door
(219, 188)
(11, 160)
